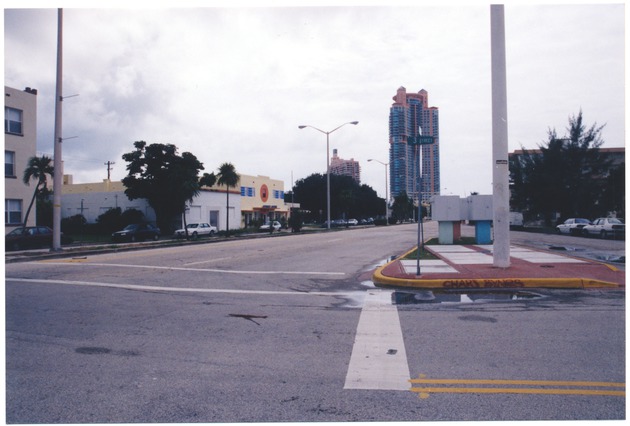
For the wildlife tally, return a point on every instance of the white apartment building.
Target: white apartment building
(20, 144)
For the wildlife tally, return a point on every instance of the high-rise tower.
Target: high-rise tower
(339, 166)
(410, 116)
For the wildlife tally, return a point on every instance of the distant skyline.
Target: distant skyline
(232, 84)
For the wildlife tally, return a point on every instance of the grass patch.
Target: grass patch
(424, 255)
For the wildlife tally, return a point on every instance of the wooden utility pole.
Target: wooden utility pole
(109, 165)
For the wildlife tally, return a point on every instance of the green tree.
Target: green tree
(347, 197)
(37, 168)
(403, 207)
(165, 179)
(564, 176)
(227, 176)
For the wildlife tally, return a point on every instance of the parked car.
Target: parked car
(137, 232)
(31, 237)
(196, 230)
(516, 220)
(573, 226)
(353, 222)
(605, 227)
(276, 226)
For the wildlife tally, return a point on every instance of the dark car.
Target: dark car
(137, 232)
(31, 237)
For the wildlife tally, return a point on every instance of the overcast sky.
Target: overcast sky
(233, 84)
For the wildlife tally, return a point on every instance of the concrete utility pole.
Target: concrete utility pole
(57, 162)
(500, 173)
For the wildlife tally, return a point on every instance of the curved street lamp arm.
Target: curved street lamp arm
(324, 132)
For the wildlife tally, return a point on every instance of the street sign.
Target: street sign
(420, 140)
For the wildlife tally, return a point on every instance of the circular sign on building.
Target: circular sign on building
(264, 193)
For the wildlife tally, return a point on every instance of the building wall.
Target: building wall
(94, 199)
(262, 198)
(19, 146)
(408, 114)
(211, 206)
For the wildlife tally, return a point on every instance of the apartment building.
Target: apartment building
(20, 144)
(339, 166)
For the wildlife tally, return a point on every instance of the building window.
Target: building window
(12, 212)
(12, 121)
(9, 164)
(278, 194)
(247, 191)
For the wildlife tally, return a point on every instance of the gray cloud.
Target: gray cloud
(233, 84)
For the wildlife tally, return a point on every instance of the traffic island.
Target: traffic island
(457, 267)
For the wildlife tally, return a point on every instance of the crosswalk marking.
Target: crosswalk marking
(379, 359)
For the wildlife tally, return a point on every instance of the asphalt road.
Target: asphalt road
(291, 329)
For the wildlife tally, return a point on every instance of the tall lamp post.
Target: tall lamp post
(328, 162)
(386, 193)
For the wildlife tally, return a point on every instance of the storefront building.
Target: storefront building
(262, 200)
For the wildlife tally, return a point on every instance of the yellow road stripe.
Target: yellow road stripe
(542, 387)
(520, 391)
(515, 382)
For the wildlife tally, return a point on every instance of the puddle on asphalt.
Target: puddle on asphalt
(424, 297)
(353, 299)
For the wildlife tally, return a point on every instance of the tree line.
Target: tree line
(348, 198)
(568, 176)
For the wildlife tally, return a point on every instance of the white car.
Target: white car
(605, 227)
(196, 230)
(276, 226)
(573, 226)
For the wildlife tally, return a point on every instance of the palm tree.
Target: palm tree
(227, 176)
(37, 168)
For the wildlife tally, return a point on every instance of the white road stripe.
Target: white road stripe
(379, 359)
(175, 268)
(208, 261)
(177, 289)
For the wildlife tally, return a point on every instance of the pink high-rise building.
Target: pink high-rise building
(339, 166)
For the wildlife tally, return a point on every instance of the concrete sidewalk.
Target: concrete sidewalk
(471, 266)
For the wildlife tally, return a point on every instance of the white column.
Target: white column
(500, 172)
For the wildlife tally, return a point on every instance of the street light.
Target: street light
(327, 161)
(386, 194)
